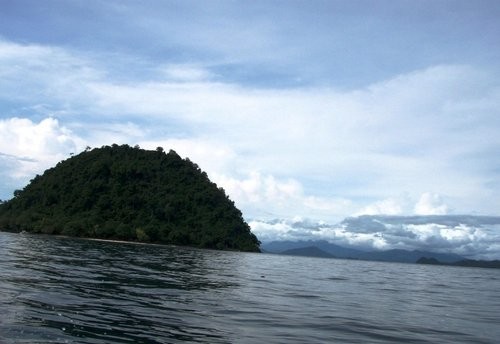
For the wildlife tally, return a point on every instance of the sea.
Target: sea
(67, 290)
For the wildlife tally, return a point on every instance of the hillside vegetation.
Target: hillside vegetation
(121, 192)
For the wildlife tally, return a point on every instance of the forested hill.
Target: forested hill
(121, 192)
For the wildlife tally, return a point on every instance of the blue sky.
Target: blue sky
(301, 110)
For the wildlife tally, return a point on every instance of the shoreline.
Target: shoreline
(117, 241)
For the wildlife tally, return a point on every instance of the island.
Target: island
(494, 264)
(127, 193)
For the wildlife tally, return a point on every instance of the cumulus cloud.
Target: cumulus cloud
(258, 188)
(427, 204)
(28, 148)
(389, 206)
(431, 204)
(267, 196)
(23, 137)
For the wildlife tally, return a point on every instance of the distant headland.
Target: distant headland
(128, 193)
(464, 262)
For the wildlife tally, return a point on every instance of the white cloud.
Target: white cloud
(293, 230)
(431, 204)
(41, 75)
(21, 136)
(275, 231)
(389, 206)
(28, 148)
(262, 191)
(471, 236)
(266, 196)
(107, 133)
(212, 156)
(185, 73)
(427, 204)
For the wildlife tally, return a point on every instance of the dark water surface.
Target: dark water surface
(60, 290)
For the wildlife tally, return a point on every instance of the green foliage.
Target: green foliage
(142, 235)
(126, 193)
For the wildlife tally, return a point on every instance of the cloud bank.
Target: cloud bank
(425, 135)
(474, 237)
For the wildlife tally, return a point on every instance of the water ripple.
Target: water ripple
(60, 290)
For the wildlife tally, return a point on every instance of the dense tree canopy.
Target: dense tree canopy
(120, 192)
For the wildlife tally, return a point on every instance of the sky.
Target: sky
(306, 112)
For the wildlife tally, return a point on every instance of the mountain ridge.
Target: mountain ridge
(393, 255)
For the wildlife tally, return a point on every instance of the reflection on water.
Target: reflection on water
(55, 290)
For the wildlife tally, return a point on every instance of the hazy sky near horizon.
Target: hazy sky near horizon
(299, 109)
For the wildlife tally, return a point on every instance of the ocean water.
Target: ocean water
(61, 290)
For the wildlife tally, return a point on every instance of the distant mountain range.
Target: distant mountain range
(324, 249)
